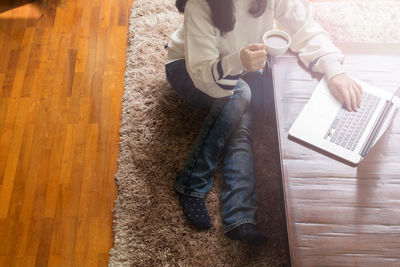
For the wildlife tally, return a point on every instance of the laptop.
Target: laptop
(324, 123)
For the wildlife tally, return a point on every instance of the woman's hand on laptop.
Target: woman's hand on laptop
(346, 90)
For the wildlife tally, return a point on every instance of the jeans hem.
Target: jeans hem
(181, 190)
(236, 224)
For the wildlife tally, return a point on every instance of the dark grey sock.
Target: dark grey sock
(247, 233)
(195, 211)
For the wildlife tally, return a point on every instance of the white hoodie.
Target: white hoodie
(212, 59)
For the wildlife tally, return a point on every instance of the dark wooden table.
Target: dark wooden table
(338, 215)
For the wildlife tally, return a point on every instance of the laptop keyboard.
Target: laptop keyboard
(347, 128)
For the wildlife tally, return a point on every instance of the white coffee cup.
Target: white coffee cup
(277, 42)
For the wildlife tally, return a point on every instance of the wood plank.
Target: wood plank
(61, 80)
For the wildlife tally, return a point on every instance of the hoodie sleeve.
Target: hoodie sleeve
(211, 73)
(309, 39)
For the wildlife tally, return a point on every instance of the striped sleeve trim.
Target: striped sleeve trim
(220, 70)
(313, 63)
(228, 82)
(232, 77)
(214, 74)
(226, 87)
(217, 71)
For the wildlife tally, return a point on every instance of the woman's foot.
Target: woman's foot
(247, 233)
(195, 211)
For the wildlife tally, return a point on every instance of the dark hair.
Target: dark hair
(222, 12)
(180, 5)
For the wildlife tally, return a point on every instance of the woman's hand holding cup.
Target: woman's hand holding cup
(253, 56)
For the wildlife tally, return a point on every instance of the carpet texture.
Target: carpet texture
(158, 130)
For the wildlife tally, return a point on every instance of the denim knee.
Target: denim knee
(243, 92)
(244, 130)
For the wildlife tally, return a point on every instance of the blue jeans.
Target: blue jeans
(228, 129)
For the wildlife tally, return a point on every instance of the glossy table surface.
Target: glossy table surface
(339, 215)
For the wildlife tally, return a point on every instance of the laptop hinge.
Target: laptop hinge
(377, 127)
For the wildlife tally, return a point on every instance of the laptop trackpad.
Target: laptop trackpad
(319, 112)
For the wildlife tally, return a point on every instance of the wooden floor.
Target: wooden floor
(61, 83)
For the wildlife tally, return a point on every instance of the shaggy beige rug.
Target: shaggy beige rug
(158, 130)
